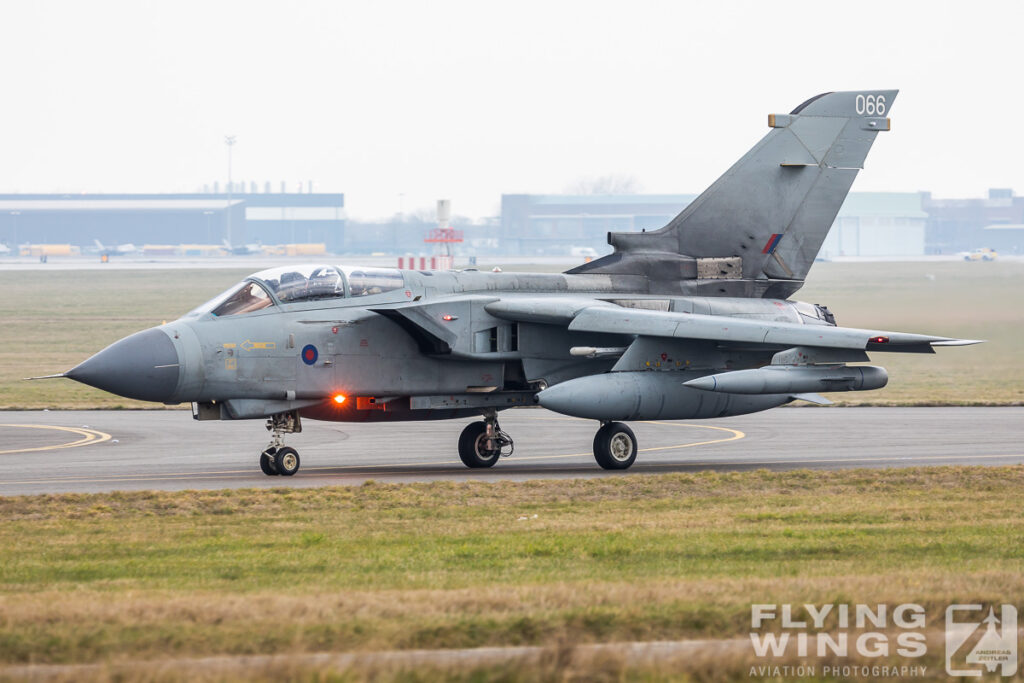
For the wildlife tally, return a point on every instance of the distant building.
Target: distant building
(956, 225)
(878, 224)
(554, 224)
(868, 224)
(199, 219)
(396, 236)
(1005, 238)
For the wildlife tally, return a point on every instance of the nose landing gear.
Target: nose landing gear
(482, 443)
(277, 458)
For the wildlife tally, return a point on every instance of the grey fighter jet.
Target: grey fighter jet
(690, 321)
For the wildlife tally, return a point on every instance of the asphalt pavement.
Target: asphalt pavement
(88, 451)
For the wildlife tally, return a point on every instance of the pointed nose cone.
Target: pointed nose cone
(144, 366)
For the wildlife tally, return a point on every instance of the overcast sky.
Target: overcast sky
(401, 103)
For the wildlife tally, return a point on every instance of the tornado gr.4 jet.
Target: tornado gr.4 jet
(693, 320)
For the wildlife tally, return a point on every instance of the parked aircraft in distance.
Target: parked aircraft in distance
(583, 252)
(980, 254)
(244, 249)
(117, 250)
(693, 320)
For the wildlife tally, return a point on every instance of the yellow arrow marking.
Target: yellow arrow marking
(249, 345)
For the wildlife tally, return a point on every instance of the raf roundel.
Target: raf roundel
(309, 354)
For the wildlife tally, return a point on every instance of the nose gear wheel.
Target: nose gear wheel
(277, 458)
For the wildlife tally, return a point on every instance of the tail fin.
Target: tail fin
(767, 216)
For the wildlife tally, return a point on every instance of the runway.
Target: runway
(89, 451)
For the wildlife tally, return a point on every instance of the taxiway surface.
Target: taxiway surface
(87, 451)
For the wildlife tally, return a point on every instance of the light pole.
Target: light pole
(209, 236)
(14, 221)
(229, 140)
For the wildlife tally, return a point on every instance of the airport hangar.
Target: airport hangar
(173, 219)
(869, 223)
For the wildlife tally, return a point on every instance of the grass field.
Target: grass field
(107, 577)
(55, 319)
(952, 299)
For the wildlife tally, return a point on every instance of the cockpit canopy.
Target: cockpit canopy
(294, 284)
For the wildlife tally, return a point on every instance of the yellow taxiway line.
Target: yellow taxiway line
(340, 469)
(89, 436)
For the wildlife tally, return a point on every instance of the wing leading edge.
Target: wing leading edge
(602, 317)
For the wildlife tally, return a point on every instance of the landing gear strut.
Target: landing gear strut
(615, 446)
(482, 443)
(278, 458)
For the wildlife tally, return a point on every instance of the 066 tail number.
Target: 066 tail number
(870, 105)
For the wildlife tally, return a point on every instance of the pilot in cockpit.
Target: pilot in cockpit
(363, 284)
(292, 287)
(250, 297)
(357, 283)
(325, 283)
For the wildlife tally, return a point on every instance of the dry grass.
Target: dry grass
(725, 660)
(95, 578)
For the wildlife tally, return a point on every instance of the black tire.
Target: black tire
(286, 461)
(615, 446)
(471, 447)
(267, 463)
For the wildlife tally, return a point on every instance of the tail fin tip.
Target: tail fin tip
(774, 207)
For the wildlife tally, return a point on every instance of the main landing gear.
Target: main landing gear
(278, 458)
(615, 446)
(482, 443)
